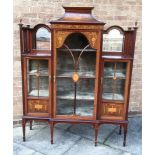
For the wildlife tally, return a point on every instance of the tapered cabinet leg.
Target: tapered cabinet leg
(52, 130)
(120, 130)
(96, 127)
(31, 125)
(24, 125)
(125, 133)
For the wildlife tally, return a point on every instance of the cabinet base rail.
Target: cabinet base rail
(95, 123)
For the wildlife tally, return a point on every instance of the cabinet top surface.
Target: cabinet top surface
(75, 15)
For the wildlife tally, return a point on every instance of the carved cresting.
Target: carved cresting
(62, 35)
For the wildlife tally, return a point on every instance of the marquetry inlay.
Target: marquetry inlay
(75, 77)
(93, 38)
(113, 109)
(92, 27)
(62, 35)
(38, 106)
(60, 38)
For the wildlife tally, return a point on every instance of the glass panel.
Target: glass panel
(114, 80)
(65, 96)
(87, 64)
(43, 86)
(43, 37)
(113, 41)
(65, 64)
(75, 73)
(85, 89)
(38, 79)
(32, 85)
(85, 108)
(85, 97)
(38, 66)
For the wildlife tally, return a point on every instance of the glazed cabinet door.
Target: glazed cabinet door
(75, 78)
(38, 86)
(115, 83)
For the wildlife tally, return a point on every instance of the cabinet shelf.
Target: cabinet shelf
(112, 77)
(117, 74)
(82, 96)
(42, 93)
(35, 74)
(40, 73)
(77, 50)
(112, 96)
(82, 75)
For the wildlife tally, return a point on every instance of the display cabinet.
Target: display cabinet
(75, 71)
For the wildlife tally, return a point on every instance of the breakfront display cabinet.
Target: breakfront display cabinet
(75, 71)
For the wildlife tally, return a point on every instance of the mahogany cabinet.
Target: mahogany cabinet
(75, 71)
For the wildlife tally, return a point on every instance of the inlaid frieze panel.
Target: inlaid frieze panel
(92, 27)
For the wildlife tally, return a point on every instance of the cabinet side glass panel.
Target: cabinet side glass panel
(32, 85)
(114, 80)
(38, 78)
